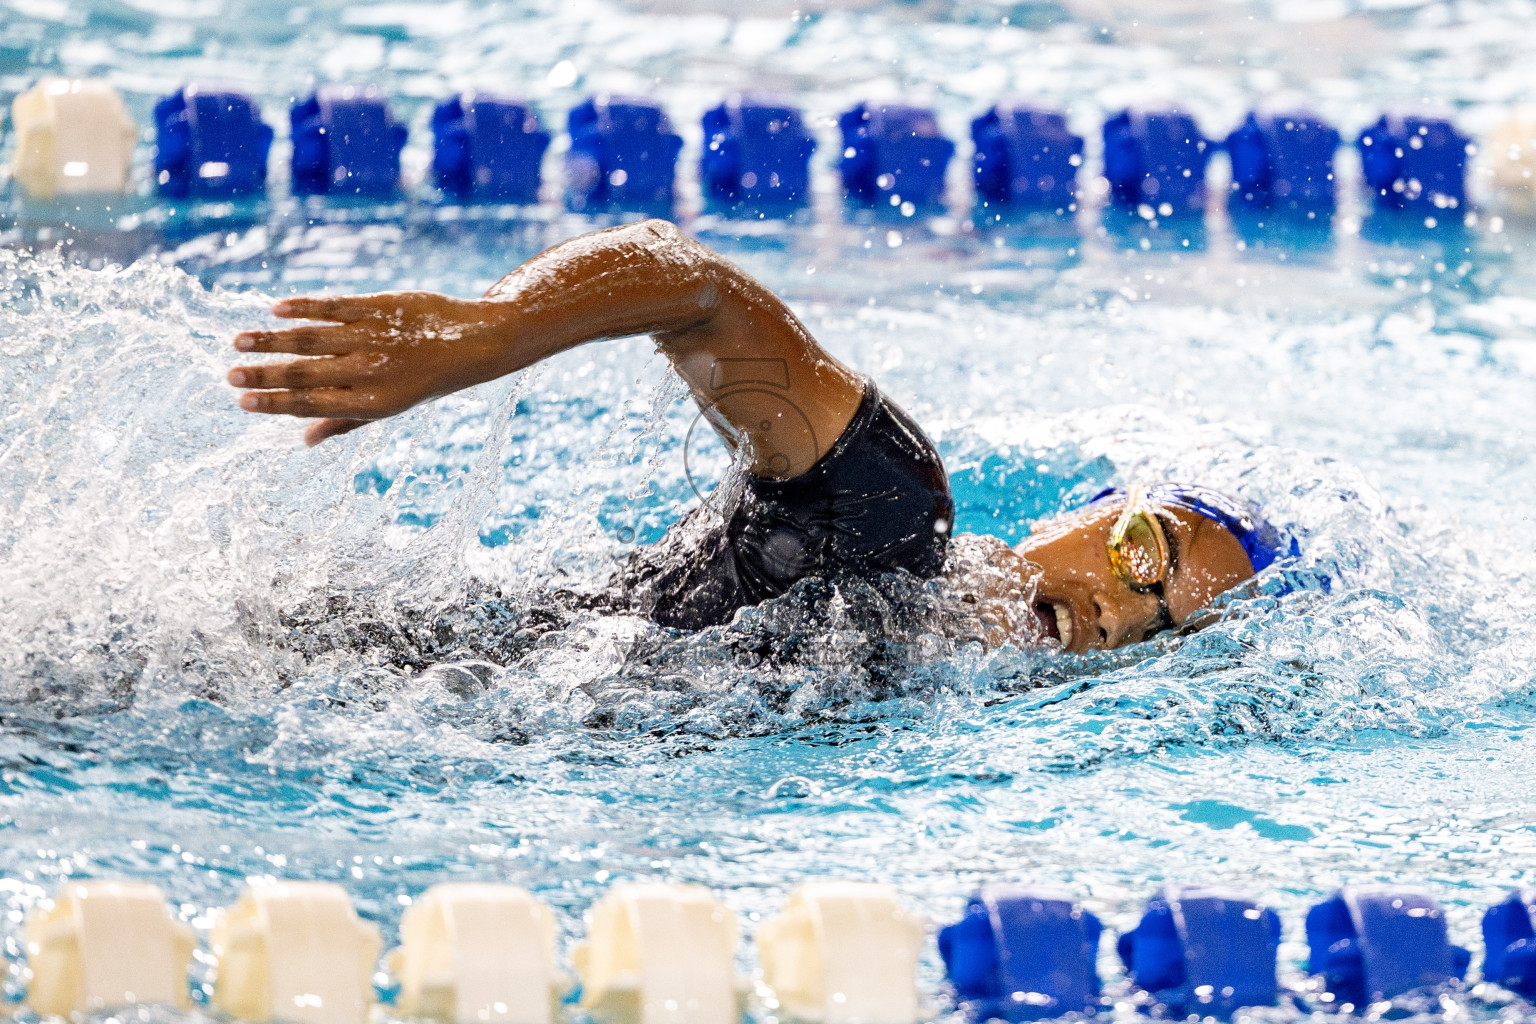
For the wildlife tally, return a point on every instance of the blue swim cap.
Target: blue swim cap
(1242, 519)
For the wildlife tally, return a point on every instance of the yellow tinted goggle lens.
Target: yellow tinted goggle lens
(1137, 552)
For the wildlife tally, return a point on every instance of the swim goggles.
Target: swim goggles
(1139, 553)
(1263, 544)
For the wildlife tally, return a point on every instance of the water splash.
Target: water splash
(161, 546)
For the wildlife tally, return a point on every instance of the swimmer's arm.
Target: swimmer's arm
(378, 355)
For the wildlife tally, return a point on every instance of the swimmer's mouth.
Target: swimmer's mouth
(1055, 621)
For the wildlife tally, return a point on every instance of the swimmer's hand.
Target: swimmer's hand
(371, 356)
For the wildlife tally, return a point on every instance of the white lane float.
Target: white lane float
(472, 953)
(659, 954)
(1511, 153)
(295, 951)
(102, 944)
(73, 136)
(843, 952)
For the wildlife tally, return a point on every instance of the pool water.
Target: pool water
(223, 656)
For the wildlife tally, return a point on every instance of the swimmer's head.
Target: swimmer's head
(1133, 563)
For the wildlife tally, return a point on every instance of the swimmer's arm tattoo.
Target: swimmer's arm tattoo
(372, 356)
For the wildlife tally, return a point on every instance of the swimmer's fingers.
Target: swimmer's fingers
(300, 341)
(334, 403)
(331, 427)
(323, 372)
(339, 309)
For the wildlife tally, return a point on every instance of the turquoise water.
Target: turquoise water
(223, 656)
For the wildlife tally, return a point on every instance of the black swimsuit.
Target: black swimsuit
(877, 502)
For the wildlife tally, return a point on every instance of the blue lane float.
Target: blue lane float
(1026, 158)
(1203, 950)
(487, 149)
(213, 145)
(623, 155)
(210, 145)
(1415, 163)
(1374, 943)
(1284, 162)
(1019, 953)
(1156, 158)
(1509, 943)
(757, 154)
(1022, 953)
(346, 143)
(893, 155)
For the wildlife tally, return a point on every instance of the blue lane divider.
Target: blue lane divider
(1415, 163)
(1375, 942)
(210, 145)
(346, 143)
(486, 149)
(892, 151)
(757, 153)
(1026, 158)
(1509, 942)
(1156, 158)
(1284, 161)
(1022, 953)
(1203, 950)
(1019, 953)
(622, 156)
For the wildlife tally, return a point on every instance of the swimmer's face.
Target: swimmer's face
(1081, 601)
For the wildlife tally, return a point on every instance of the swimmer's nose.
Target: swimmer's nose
(1114, 624)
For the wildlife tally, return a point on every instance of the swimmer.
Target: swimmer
(837, 478)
